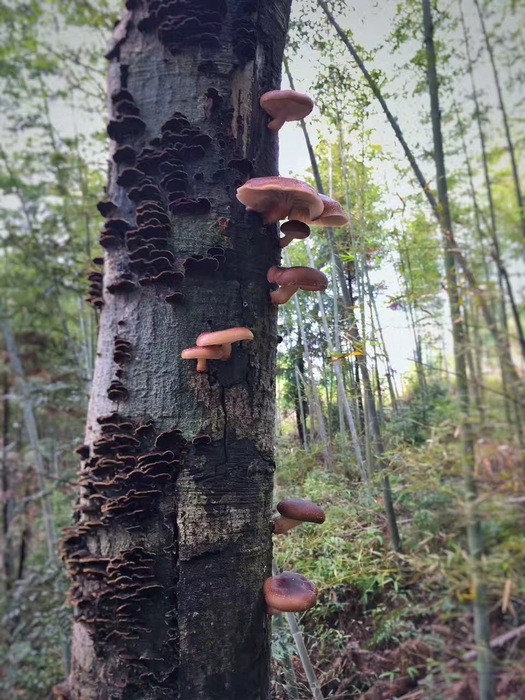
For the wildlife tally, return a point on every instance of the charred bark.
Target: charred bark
(172, 539)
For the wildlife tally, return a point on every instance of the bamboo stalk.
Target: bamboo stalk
(474, 532)
(506, 124)
(425, 186)
(301, 407)
(316, 401)
(289, 673)
(301, 648)
(32, 432)
(340, 384)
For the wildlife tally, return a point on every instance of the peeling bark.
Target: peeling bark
(172, 541)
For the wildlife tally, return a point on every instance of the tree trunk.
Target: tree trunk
(172, 539)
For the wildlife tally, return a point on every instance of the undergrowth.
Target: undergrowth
(388, 623)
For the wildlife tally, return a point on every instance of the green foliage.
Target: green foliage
(33, 625)
(425, 406)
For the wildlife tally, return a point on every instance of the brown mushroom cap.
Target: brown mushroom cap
(333, 214)
(289, 592)
(285, 106)
(278, 198)
(299, 509)
(293, 230)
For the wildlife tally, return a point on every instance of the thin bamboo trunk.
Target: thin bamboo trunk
(475, 537)
(301, 648)
(475, 389)
(316, 400)
(292, 692)
(376, 442)
(427, 191)
(340, 383)
(6, 553)
(34, 441)
(389, 373)
(501, 102)
(301, 426)
(503, 278)
(48, 516)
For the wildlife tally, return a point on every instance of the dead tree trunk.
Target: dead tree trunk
(172, 538)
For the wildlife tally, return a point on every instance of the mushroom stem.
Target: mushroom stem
(277, 123)
(273, 611)
(283, 294)
(286, 239)
(202, 354)
(281, 525)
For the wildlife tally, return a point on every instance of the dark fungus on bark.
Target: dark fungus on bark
(207, 67)
(200, 265)
(121, 351)
(129, 177)
(174, 298)
(124, 154)
(117, 391)
(121, 95)
(83, 451)
(244, 38)
(126, 107)
(243, 165)
(148, 191)
(94, 296)
(106, 207)
(125, 285)
(190, 206)
(109, 239)
(127, 126)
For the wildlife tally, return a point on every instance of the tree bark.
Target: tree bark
(172, 540)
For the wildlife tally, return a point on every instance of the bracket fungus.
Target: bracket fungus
(291, 279)
(289, 592)
(293, 512)
(285, 106)
(293, 230)
(276, 198)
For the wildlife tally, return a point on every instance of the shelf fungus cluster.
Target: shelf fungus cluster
(216, 345)
(289, 591)
(124, 475)
(157, 178)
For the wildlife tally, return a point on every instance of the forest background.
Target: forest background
(380, 630)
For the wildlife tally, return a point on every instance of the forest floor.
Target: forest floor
(388, 625)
